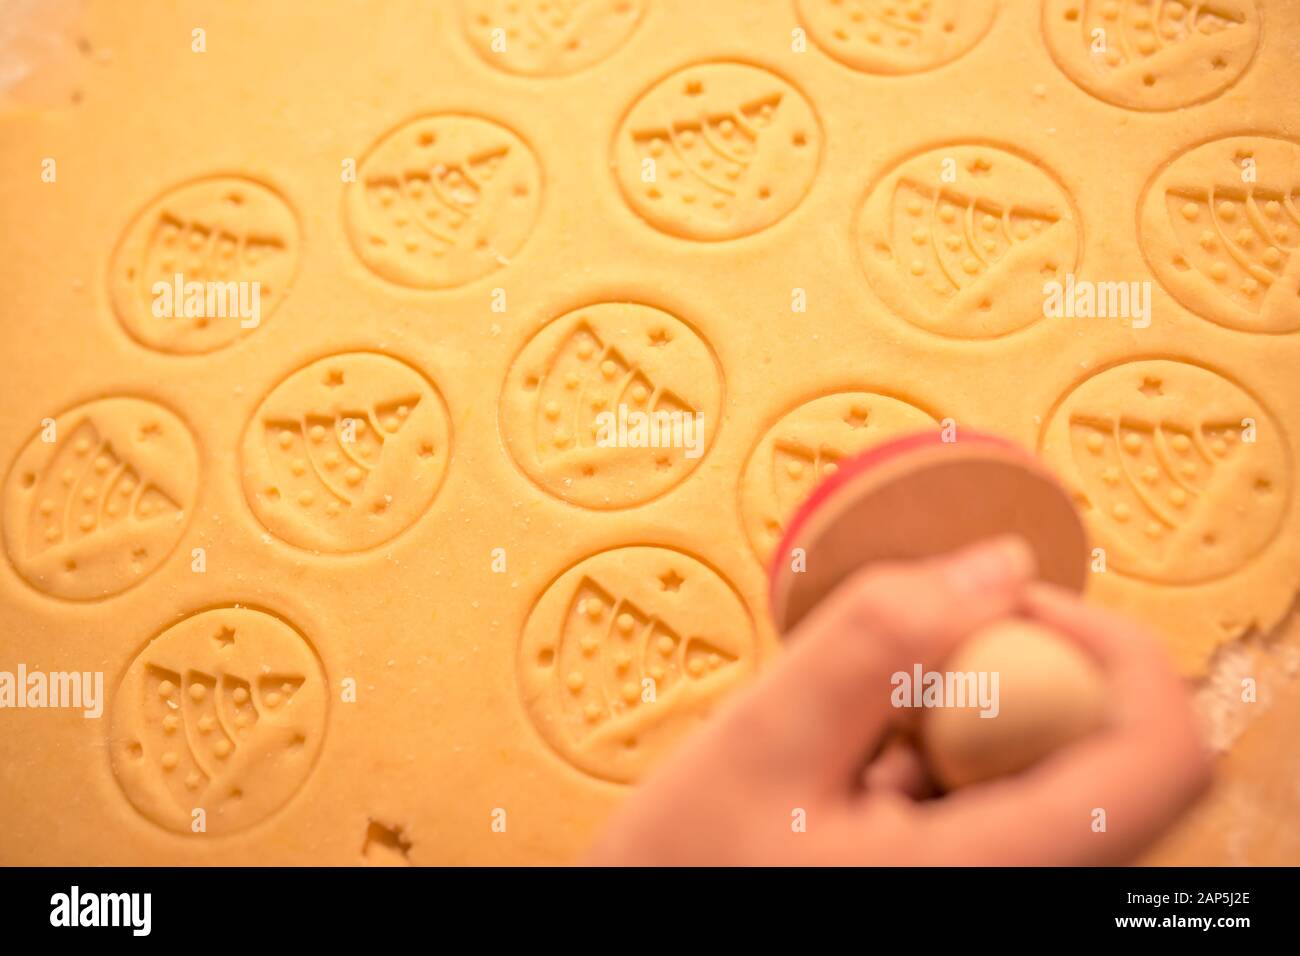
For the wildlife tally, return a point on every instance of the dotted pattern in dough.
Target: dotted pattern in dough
(896, 36)
(225, 230)
(443, 200)
(1152, 54)
(346, 453)
(586, 370)
(717, 151)
(960, 240)
(549, 37)
(100, 497)
(223, 713)
(1221, 228)
(626, 651)
(1181, 474)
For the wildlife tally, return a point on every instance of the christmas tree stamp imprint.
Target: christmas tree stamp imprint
(346, 453)
(1181, 474)
(612, 404)
(896, 36)
(443, 200)
(1221, 229)
(227, 245)
(628, 650)
(717, 151)
(960, 240)
(99, 497)
(218, 722)
(549, 37)
(1152, 54)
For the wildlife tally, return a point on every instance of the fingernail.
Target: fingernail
(993, 565)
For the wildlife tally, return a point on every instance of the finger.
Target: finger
(1106, 798)
(900, 769)
(827, 702)
(1117, 643)
(1148, 698)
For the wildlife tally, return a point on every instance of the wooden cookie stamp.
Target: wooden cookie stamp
(919, 496)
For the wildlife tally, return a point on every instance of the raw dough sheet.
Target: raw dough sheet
(363, 580)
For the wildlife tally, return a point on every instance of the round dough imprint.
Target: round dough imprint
(626, 652)
(217, 231)
(1145, 55)
(549, 37)
(717, 151)
(97, 500)
(1181, 475)
(443, 200)
(959, 240)
(805, 446)
(1221, 230)
(896, 36)
(584, 373)
(223, 712)
(346, 453)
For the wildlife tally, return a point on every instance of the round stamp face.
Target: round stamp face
(805, 447)
(346, 453)
(99, 497)
(549, 37)
(443, 200)
(223, 713)
(896, 36)
(204, 265)
(960, 240)
(1181, 474)
(1221, 229)
(1152, 54)
(626, 652)
(611, 405)
(717, 151)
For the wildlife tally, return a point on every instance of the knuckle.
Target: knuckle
(899, 602)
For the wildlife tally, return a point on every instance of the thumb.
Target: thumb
(821, 711)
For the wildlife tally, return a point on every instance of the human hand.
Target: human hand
(802, 739)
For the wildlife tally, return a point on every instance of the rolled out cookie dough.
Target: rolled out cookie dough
(477, 225)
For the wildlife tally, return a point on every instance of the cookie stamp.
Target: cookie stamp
(224, 232)
(549, 37)
(805, 447)
(627, 651)
(896, 36)
(346, 453)
(1220, 227)
(443, 200)
(1152, 54)
(959, 240)
(1181, 474)
(580, 376)
(223, 712)
(98, 508)
(717, 151)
